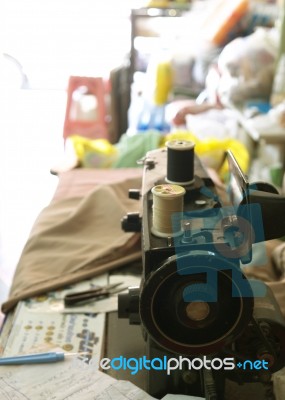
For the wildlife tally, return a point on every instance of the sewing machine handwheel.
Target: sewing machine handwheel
(186, 310)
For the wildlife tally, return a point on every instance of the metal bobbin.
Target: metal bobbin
(167, 200)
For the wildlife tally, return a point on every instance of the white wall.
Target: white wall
(57, 38)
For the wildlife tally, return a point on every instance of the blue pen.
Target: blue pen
(39, 358)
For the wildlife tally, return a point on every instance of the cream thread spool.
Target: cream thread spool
(167, 199)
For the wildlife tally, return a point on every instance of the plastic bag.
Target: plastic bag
(246, 66)
(97, 153)
(100, 153)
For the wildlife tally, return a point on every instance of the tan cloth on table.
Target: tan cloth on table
(272, 272)
(79, 234)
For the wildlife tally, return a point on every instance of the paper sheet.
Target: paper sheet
(68, 380)
(35, 332)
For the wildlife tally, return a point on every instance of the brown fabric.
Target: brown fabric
(79, 234)
(80, 182)
(272, 272)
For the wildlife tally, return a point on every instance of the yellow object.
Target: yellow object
(164, 81)
(97, 153)
(158, 3)
(212, 151)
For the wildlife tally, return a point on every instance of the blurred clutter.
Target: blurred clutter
(246, 66)
(99, 153)
(210, 86)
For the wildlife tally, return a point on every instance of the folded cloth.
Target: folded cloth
(79, 234)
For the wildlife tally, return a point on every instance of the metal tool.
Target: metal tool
(98, 293)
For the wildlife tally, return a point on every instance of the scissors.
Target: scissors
(98, 293)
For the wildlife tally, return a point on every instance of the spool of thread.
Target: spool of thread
(180, 162)
(167, 199)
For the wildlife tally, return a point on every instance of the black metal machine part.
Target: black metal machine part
(243, 326)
